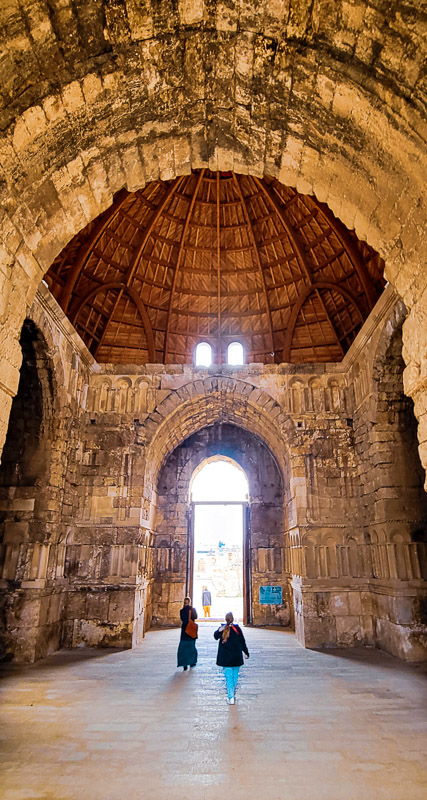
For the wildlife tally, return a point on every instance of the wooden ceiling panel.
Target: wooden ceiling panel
(217, 255)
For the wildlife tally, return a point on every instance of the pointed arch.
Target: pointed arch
(299, 304)
(216, 399)
(137, 302)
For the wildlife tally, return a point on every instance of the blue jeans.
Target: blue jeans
(231, 675)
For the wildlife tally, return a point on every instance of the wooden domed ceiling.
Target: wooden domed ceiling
(216, 257)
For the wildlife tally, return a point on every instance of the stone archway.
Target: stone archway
(213, 563)
(265, 529)
(302, 108)
(201, 403)
(29, 492)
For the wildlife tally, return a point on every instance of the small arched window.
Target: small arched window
(203, 355)
(235, 355)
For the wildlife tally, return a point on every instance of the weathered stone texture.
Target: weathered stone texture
(265, 537)
(105, 534)
(98, 96)
(329, 101)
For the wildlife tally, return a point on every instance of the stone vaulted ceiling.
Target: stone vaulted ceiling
(216, 257)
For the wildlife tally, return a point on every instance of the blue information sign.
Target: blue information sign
(270, 595)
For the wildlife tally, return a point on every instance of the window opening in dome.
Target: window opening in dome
(203, 355)
(235, 354)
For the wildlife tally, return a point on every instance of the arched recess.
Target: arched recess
(26, 452)
(31, 494)
(398, 470)
(265, 521)
(215, 399)
(316, 290)
(390, 329)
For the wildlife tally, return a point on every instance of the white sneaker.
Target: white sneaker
(231, 701)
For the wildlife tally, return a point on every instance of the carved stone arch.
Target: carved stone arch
(230, 388)
(381, 535)
(140, 389)
(35, 419)
(316, 394)
(391, 326)
(334, 394)
(52, 353)
(202, 403)
(353, 538)
(123, 400)
(103, 390)
(297, 396)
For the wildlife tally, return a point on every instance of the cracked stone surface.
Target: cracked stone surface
(102, 724)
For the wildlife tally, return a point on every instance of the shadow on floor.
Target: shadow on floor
(371, 656)
(62, 658)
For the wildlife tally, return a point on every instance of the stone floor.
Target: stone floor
(104, 725)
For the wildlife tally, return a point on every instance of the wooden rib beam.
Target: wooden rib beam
(358, 264)
(139, 251)
(287, 345)
(258, 260)
(134, 296)
(293, 236)
(218, 264)
(86, 248)
(178, 262)
(148, 230)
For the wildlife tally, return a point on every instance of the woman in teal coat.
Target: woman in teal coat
(187, 653)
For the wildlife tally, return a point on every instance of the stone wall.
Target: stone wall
(352, 517)
(38, 480)
(60, 583)
(265, 537)
(328, 98)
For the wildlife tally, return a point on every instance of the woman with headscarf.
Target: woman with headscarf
(231, 646)
(187, 653)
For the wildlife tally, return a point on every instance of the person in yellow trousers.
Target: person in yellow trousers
(206, 601)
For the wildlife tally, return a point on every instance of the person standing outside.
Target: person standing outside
(231, 646)
(187, 653)
(206, 601)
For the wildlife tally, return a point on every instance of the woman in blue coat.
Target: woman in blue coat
(231, 646)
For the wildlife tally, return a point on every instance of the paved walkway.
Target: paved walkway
(104, 725)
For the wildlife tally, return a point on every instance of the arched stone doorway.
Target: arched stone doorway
(265, 526)
(28, 523)
(218, 535)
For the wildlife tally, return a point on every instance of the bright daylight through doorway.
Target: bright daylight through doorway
(219, 493)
